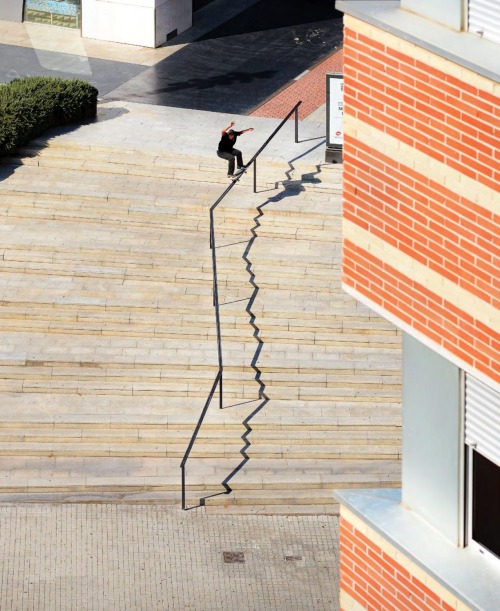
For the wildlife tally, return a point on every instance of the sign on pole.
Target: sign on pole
(334, 110)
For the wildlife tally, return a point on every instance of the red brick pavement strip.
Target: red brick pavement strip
(310, 88)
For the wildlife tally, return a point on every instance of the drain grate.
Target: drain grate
(233, 557)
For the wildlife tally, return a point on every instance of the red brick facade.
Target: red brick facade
(430, 221)
(375, 580)
(421, 245)
(434, 112)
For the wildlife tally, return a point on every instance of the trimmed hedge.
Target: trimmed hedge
(30, 105)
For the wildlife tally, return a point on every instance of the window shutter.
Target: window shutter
(482, 418)
(484, 19)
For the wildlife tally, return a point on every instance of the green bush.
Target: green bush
(30, 105)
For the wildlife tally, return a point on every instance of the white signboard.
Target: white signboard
(334, 110)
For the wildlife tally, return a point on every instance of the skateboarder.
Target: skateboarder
(227, 151)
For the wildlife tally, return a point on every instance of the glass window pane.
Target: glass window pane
(64, 13)
(486, 503)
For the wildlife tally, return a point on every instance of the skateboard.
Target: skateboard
(238, 173)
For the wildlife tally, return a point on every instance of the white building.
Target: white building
(146, 23)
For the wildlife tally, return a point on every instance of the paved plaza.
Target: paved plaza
(151, 557)
(237, 55)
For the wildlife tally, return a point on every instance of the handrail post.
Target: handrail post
(255, 176)
(183, 469)
(211, 231)
(297, 125)
(220, 390)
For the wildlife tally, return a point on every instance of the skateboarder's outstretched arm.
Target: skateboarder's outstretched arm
(226, 129)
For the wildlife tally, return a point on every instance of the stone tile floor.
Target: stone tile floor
(58, 557)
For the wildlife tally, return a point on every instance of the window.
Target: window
(65, 13)
(485, 497)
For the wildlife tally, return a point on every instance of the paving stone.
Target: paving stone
(154, 557)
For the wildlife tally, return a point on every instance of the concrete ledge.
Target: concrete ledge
(467, 50)
(464, 572)
(333, 155)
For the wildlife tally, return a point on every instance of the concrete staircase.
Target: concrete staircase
(108, 345)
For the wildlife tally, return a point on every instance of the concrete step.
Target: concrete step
(271, 434)
(140, 412)
(144, 155)
(13, 205)
(26, 187)
(126, 161)
(269, 178)
(231, 392)
(92, 474)
(40, 313)
(108, 346)
(225, 234)
(267, 332)
(66, 316)
(232, 270)
(200, 450)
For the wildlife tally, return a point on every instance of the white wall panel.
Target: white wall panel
(11, 10)
(172, 15)
(128, 21)
(446, 12)
(144, 23)
(432, 438)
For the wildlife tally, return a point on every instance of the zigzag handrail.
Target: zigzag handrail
(219, 376)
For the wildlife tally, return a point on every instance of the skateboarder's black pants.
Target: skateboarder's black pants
(229, 156)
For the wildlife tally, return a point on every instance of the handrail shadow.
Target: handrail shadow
(218, 382)
(262, 395)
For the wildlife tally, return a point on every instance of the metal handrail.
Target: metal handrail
(219, 377)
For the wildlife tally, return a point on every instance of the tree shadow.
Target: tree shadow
(275, 14)
(226, 79)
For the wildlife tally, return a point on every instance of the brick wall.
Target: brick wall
(372, 579)
(421, 180)
(453, 121)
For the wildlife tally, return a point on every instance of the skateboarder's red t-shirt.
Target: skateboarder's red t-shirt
(226, 144)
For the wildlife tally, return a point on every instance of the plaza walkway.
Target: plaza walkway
(154, 558)
(237, 56)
